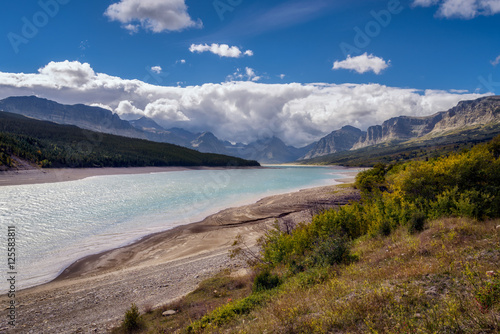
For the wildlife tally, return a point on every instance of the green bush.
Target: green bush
(372, 180)
(488, 294)
(417, 222)
(265, 281)
(331, 251)
(133, 319)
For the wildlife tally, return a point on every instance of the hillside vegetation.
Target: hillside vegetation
(420, 253)
(52, 145)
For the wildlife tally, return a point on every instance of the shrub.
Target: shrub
(417, 222)
(372, 180)
(265, 281)
(331, 251)
(133, 319)
(488, 294)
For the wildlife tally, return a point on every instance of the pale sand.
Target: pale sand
(92, 295)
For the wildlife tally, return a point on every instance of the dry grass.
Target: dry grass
(404, 283)
(211, 293)
(429, 282)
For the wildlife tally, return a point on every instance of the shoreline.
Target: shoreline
(75, 174)
(54, 175)
(81, 266)
(160, 267)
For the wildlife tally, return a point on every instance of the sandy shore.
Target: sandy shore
(37, 175)
(92, 295)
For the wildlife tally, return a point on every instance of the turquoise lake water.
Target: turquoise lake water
(58, 223)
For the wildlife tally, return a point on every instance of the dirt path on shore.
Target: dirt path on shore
(91, 295)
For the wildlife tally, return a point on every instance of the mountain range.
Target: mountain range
(467, 114)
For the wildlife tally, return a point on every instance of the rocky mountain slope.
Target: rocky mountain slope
(270, 150)
(337, 141)
(85, 117)
(466, 115)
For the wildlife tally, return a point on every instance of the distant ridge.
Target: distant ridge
(467, 115)
(103, 120)
(85, 117)
(337, 141)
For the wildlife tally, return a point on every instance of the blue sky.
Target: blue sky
(419, 56)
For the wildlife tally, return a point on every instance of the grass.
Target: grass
(445, 279)
(210, 294)
(429, 282)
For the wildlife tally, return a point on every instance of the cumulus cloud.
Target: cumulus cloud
(239, 111)
(153, 15)
(166, 110)
(496, 61)
(127, 110)
(156, 69)
(222, 50)
(102, 106)
(362, 64)
(248, 74)
(462, 9)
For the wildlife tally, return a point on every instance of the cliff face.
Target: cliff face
(337, 141)
(469, 113)
(466, 114)
(398, 128)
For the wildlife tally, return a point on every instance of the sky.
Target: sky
(248, 70)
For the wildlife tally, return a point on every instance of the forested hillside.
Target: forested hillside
(52, 145)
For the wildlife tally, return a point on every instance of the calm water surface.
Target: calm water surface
(58, 223)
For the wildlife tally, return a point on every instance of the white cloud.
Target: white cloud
(182, 61)
(362, 64)
(102, 106)
(282, 76)
(462, 9)
(166, 110)
(153, 15)
(127, 110)
(248, 74)
(156, 69)
(222, 50)
(239, 111)
(496, 61)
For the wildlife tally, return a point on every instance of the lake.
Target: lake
(58, 223)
